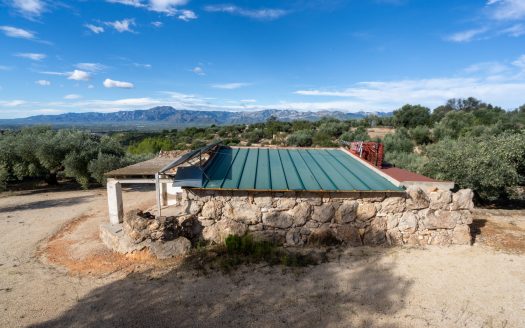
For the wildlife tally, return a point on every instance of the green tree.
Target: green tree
(410, 116)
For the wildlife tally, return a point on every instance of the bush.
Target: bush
(487, 165)
(410, 116)
(301, 138)
(398, 142)
(420, 135)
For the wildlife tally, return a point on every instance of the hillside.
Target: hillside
(163, 115)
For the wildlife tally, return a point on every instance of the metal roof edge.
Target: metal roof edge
(373, 168)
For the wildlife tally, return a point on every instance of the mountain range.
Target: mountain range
(169, 116)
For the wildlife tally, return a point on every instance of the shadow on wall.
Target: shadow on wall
(41, 204)
(354, 290)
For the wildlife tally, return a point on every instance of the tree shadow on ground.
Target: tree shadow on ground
(41, 204)
(353, 289)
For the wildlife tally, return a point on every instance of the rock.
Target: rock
(310, 198)
(323, 213)
(374, 236)
(465, 217)
(206, 222)
(462, 200)
(211, 209)
(440, 219)
(140, 226)
(461, 235)
(284, 203)
(114, 238)
(440, 238)
(348, 234)
(263, 200)
(277, 220)
(408, 223)
(293, 237)
(222, 229)
(194, 206)
(347, 212)
(322, 237)
(392, 205)
(300, 214)
(164, 250)
(417, 198)
(440, 199)
(394, 237)
(392, 220)
(365, 211)
(277, 237)
(242, 211)
(256, 227)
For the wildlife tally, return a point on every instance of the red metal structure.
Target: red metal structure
(370, 151)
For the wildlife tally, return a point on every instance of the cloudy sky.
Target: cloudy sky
(371, 55)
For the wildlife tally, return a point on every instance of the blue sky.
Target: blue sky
(370, 55)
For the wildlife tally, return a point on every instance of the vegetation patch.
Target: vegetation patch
(244, 250)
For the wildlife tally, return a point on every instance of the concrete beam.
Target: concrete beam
(164, 194)
(115, 206)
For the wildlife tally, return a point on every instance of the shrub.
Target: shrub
(487, 165)
(301, 138)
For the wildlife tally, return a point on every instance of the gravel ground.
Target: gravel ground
(55, 273)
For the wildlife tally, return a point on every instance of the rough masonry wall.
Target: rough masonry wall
(416, 217)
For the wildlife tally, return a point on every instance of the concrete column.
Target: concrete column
(164, 194)
(116, 210)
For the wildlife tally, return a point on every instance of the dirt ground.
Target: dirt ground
(54, 272)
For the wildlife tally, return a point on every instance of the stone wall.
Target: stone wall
(417, 217)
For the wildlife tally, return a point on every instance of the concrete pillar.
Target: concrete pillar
(164, 194)
(116, 210)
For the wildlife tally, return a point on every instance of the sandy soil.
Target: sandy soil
(54, 272)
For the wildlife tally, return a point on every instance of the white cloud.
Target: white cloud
(43, 83)
(466, 36)
(4, 68)
(168, 7)
(122, 25)
(133, 3)
(95, 29)
(507, 9)
(79, 75)
(490, 68)
(32, 56)
(514, 30)
(157, 24)
(198, 70)
(15, 32)
(186, 15)
(91, 86)
(142, 65)
(520, 62)
(108, 83)
(91, 67)
(248, 100)
(29, 8)
(263, 14)
(230, 86)
(12, 103)
(72, 96)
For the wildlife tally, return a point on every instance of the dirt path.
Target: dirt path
(72, 281)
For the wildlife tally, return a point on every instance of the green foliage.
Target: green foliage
(410, 116)
(488, 165)
(359, 134)
(245, 250)
(41, 152)
(420, 135)
(398, 142)
(301, 138)
(408, 161)
(152, 145)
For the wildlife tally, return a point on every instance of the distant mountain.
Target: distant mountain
(169, 116)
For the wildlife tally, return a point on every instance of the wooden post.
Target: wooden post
(115, 207)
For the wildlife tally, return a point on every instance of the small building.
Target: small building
(293, 196)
